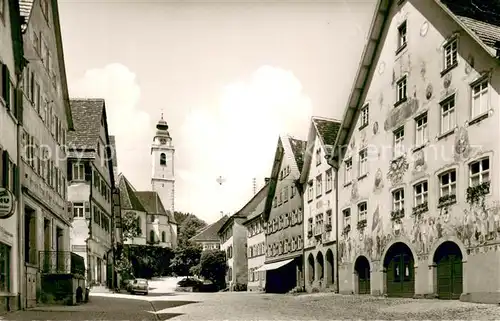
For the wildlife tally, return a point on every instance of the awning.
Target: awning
(274, 266)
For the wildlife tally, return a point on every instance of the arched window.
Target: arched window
(151, 236)
(163, 237)
(163, 159)
(139, 226)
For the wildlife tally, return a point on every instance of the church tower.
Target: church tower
(163, 177)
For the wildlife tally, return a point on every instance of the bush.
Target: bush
(213, 267)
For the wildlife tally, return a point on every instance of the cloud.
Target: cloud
(237, 140)
(131, 126)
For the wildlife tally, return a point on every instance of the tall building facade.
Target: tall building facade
(11, 55)
(320, 226)
(419, 189)
(43, 173)
(283, 216)
(90, 188)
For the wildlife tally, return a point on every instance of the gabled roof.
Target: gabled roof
(128, 198)
(298, 149)
(209, 234)
(153, 205)
(249, 208)
(481, 25)
(87, 115)
(291, 148)
(326, 129)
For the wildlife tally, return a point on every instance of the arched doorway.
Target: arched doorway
(310, 268)
(362, 268)
(329, 267)
(400, 273)
(449, 270)
(320, 266)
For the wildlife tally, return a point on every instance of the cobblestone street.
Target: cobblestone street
(250, 306)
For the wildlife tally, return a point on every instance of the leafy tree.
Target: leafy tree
(189, 228)
(185, 258)
(213, 267)
(180, 217)
(130, 226)
(148, 261)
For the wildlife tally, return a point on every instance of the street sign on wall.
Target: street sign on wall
(6, 203)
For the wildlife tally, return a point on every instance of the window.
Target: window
(78, 172)
(4, 266)
(399, 137)
(401, 90)
(479, 172)
(163, 237)
(362, 210)
(319, 224)
(151, 236)
(420, 191)
(319, 185)
(348, 171)
(329, 217)
(364, 117)
(450, 54)
(78, 210)
(318, 156)
(347, 217)
(479, 99)
(448, 183)
(152, 217)
(363, 162)
(163, 159)
(310, 191)
(292, 192)
(398, 199)
(402, 35)
(448, 115)
(421, 132)
(329, 178)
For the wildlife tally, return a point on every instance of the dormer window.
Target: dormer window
(163, 159)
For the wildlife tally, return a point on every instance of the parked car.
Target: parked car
(138, 286)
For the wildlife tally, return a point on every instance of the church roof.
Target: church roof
(128, 198)
(209, 234)
(87, 115)
(152, 203)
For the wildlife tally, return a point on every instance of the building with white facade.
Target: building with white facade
(46, 118)
(256, 243)
(320, 225)
(90, 186)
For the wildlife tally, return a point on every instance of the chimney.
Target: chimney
(267, 179)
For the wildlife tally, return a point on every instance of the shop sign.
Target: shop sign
(6, 203)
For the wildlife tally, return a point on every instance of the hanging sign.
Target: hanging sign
(6, 203)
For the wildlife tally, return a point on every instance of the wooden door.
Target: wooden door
(401, 276)
(450, 277)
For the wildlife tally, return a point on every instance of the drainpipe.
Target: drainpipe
(337, 285)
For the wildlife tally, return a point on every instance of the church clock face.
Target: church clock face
(163, 141)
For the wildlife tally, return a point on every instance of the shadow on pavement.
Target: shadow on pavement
(160, 305)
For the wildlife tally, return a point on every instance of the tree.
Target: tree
(189, 228)
(180, 217)
(213, 267)
(185, 258)
(130, 226)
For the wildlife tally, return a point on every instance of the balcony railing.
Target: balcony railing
(55, 262)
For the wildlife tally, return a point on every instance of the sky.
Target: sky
(229, 77)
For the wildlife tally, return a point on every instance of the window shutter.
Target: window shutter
(16, 180)
(19, 105)
(5, 169)
(87, 210)
(69, 170)
(6, 85)
(69, 207)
